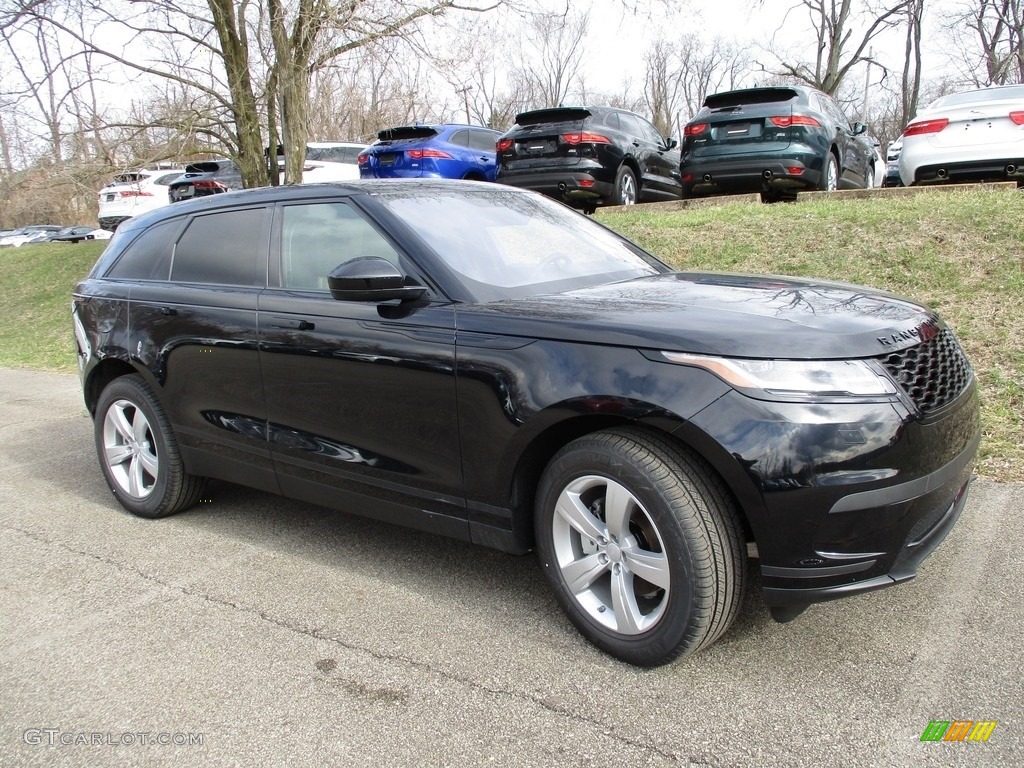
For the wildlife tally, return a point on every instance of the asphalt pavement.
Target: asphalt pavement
(257, 631)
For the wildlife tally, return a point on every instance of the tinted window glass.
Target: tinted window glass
(482, 141)
(149, 257)
(459, 138)
(630, 125)
(222, 248)
(650, 132)
(612, 121)
(167, 178)
(317, 238)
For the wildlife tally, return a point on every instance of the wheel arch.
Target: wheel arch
(106, 371)
(539, 451)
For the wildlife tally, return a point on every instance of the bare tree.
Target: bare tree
(989, 36)
(911, 82)
(843, 30)
(556, 42)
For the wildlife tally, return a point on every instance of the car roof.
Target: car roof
(293, 192)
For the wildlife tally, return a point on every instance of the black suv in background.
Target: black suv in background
(590, 156)
(208, 177)
(776, 141)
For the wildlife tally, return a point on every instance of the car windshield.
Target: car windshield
(506, 243)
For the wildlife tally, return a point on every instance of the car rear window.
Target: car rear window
(752, 96)
(128, 178)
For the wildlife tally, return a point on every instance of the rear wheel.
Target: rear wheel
(138, 452)
(625, 186)
(641, 544)
(869, 179)
(830, 176)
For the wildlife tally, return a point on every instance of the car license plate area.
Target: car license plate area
(535, 147)
(109, 197)
(737, 131)
(386, 160)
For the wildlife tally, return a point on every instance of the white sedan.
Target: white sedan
(971, 136)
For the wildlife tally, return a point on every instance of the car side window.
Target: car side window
(612, 121)
(167, 178)
(630, 125)
(834, 111)
(225, 248)
(317, 237)
(149, 257)
(459, 139)
(482, 141)
(650, 132)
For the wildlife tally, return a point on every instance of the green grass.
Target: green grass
(959, 251)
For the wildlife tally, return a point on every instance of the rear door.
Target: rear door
(659, 164)
(193, 304)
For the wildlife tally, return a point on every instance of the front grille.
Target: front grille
(933, 373)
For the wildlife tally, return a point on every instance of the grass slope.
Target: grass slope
(960, 252)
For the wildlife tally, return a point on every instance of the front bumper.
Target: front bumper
(844, 498)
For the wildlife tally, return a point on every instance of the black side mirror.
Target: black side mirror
(371, 278)
(859, 128)
(671, 143)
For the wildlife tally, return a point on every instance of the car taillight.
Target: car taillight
(363, 159)
(926, 126)
(503, 145)
(785, 121)
(585, 138)
(696, 129)
(419, 154)
(1017, 118)
(210, 184)
(795, 170)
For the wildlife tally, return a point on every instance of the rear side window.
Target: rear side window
(149, 257)
(226, 248)
(482, 141)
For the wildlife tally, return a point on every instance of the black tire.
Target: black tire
(829, 174)
(670, 517)
(138, 452)
(626, 190)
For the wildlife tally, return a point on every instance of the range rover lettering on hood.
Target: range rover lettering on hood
(923, 332)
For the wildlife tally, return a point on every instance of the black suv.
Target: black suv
(590, 156)
(484, 363)
(208, 177)
(776, 141)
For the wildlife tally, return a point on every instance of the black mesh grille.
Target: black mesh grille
(933, 373)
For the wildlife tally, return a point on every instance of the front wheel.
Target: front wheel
(138, 453)
(625, 186)
(641, 544)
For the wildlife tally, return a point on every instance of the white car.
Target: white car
(31, 234)
(331, 161)
(971, 136)
(134, 192)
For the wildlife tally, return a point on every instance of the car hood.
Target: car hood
(715, 313)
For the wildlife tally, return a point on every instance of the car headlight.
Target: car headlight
(794, 378)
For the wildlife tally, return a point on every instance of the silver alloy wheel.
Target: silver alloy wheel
(129, 450)
(627, 189)
(611, 555)
(832, 183)
(869, 180)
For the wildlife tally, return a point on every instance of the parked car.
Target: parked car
(33, 233)
(77, 234)
(431, 151)
(484, 363)
(331, 161)
(134, 192)
(892, 164)
(776, 141)
(971, 136)
(207, 177)
(325, 161)
(590, 156)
